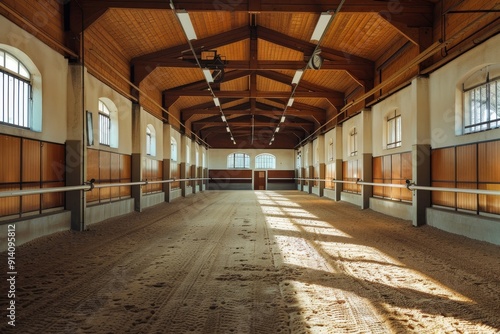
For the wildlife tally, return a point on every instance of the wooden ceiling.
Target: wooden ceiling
(263, 43)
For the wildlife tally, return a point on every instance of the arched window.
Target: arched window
(353, 142)
(104, 124)
(238, 160)
(108, 122)
(173, 149)
(188, 154)
(481, 100)
(15, 91)
(265, 161)
(393, 129)
(150, 140)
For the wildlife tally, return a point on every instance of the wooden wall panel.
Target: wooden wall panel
(351, 172)
(489, 203)
(230, 175)
(406, 166)
(466, 164)
(489, 162)
(175, 173)
(53, 159)
(53, 200)
(10, 169)
(31, 161)
(9, 205)
(443, 164)
(92, 173)
(289, 175)
(30, 203)
(330, 175)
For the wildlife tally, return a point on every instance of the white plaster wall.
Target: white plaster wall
(285, 159)
(94, 90)
(444, 94)
(398, 101)
(53, 68)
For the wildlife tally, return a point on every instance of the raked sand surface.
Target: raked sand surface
(255, 262)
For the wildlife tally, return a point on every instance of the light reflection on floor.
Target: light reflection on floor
(330, 257)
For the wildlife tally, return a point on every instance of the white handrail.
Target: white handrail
(411, 186)
(86, 187)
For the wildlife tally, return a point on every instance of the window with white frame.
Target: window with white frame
(150, 140)
(265, 161)
(330, 150)
(15, 91)
(353, 142)
(188, 154)
(104, 124)
(393, 129)
(238, 160)
(299, 160)
(481, 95)
(173, 149)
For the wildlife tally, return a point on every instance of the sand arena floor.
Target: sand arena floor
(255, 262)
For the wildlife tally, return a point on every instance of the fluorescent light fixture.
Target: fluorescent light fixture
(227, 129)
(272, 139)
(282, 119)
(223, 118)
(297, 76)
(217, 102)
(234, 142)
(186, 24)
(278, 129)
(232, 138)
(290, 102)
(321, 25)
(270, 143)
(208, 75)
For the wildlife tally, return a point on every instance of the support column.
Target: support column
(302, 175)
(184, 184)
(367, 191)
(75, 164)
(322, 175)
(421, 169)
(137, 177)
(75, 200)
(310, 176)
(136, 156)
(200, 175)
(167, 174)
(194, 184)
(338, 176)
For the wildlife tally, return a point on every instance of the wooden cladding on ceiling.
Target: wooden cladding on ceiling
(473, 166)
(31, 164)
(108, 167)
(392, 169)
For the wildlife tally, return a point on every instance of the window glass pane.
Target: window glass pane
(15, 92)
(265, 161)
(24, 72)
(11, 63)
(173, 149)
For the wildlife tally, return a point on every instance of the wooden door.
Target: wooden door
(259, 180)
